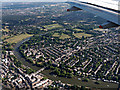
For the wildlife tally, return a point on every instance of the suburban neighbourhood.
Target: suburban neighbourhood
(45, 47)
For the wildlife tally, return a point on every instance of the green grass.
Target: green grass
(52, 26)
(18, 38)
(64, 36)
(5, 37)
(75, 81)
(7, 30)
(78, 30)
(98, 29)
(82, 21)
(79, 35)
(56, 35)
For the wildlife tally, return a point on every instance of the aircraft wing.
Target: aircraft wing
(109, 10)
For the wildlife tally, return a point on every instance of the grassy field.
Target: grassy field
(78, 30)
(52, 26)
(56, 35)
(18, 38)
(79, 35)
(98, 29)
(64, 36)
(7, 30)
(75, 81)
(4, 37)
(82, 21)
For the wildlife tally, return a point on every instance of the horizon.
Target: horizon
(33, 1)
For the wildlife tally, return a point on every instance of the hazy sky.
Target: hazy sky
(32, 0)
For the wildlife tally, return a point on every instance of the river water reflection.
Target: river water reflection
(19, 56)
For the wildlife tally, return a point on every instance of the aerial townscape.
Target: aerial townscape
(45, 47)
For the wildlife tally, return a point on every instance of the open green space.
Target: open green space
(99, 29)
(52, 26)
(56, 35)
(5, 37)
(79, 35)
(64, 36)
(75, 81)
(6, 29)
(82, 21)
(18, 38)
(78, 29)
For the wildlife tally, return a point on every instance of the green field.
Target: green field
(18, 38)
(75, 81)
(79, 35)
(78, 29)
(64, 36)
(4, 37)
(82, 21)
(52, 26)
(98, 29)
(56, 35)
(7, 30)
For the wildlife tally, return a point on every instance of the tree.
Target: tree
(30, 60)
(70, 75)
(49, 62)
(115, 78)
(51, 67)
(82, 88)
(29, 71)
(18, 64)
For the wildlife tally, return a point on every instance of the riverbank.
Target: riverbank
(76, 81)
(20, 58)
(73, 80)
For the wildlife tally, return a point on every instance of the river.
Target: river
(19, 56)
(65, 80)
